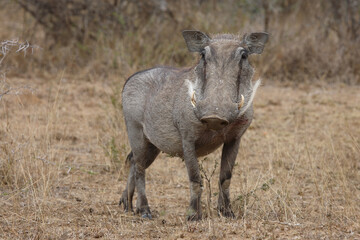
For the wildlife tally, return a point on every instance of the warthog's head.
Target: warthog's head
(222, 90)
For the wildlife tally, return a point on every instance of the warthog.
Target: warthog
(190, 113)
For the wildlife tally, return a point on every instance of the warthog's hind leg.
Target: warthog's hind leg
(143, 154)
(128, 193)
(141, 164)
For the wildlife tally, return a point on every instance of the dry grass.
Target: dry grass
(308, 40)
(63, 149)
(63, 141)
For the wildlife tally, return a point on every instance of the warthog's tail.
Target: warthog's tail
(129, 158)
(128, 163)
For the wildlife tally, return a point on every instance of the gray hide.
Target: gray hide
(190, 113)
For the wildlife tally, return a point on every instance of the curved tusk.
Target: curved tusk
(241, 103)
(193, 99)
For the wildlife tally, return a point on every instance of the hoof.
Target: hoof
(124, 201)
(144, 212)
(147, 216)
(228, 213)
(193, 216)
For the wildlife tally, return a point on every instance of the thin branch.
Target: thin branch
(6, 47)
(15, 91)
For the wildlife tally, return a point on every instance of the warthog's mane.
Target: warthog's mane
(225, 37)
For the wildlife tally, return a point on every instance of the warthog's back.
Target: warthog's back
(141, 87)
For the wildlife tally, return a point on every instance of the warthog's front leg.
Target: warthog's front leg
(228, 158)
(192, 165)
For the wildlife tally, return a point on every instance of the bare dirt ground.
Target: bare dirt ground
(62, 152)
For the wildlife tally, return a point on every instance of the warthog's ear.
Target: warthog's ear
(256, 41)
(196, 41)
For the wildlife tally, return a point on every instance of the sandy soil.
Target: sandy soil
(63, 147)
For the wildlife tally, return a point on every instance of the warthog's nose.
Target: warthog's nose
(214, 122)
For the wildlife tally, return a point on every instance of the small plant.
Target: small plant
(208, 176)
(244, 199)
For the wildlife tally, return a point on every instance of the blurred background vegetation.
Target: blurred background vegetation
(92, 40)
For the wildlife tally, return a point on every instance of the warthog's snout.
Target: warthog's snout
(214, 122)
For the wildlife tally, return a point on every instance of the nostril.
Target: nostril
(214, 122)
(224, 123)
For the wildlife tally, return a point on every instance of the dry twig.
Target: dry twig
(6, 47)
